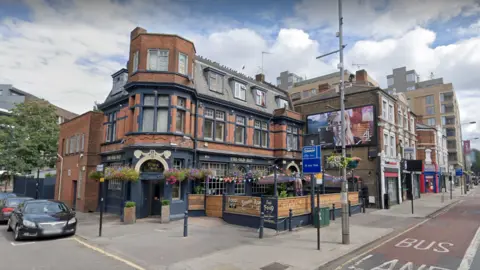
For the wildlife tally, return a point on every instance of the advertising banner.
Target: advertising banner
(359, 127)
(466, 147)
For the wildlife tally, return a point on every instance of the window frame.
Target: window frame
(384, 109)
(214, 119)
(111, 131)
(155, 108)
(260, 97)
(263, 132)
(244, 126)
(180, 54)
(136, 56)
(292, 135)
(280, 101)
(181, 111)
(400, 118)
(218, 82)
(158, 51)
(427, 100)
(391, 116)
(239, 84)
(386, 143)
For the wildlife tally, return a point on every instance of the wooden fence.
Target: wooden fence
(196, 202)
(244, 205)
(214, 206)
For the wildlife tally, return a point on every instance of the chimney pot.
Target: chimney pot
(260, 77)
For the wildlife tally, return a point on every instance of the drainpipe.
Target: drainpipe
(194, 162)
(60, 180)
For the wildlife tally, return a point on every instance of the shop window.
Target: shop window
(114, 185)
(176, 191)
(215, 185)
(240, 188)
(259, 188)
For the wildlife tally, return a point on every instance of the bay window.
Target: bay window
(155, 113)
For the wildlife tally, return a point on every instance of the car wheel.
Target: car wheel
(16, 234)
(9, 229)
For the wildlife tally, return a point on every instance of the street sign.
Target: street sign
(102, 180)
(319, 178)
(413, 165)
(459, 172)
(311, 162)
(100, 168)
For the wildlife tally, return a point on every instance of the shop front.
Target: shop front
(391, 183)
(429, 179)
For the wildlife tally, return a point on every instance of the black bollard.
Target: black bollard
(185, 224)
(262, 220)
(333, 211)
(364, 203)
(290, 215)
(349, 208)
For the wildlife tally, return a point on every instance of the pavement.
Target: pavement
(213, 244)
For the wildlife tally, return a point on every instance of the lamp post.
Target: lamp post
(344, 195)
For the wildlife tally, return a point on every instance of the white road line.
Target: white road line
(470, 253)
(21, 244)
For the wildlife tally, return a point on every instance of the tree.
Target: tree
(475, 161)
(29, 137)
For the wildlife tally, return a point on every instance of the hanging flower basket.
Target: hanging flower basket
(337, 161)
(95, 175)
(123, 173)
(174, 175)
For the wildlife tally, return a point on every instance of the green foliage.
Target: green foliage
(95, 175)
(29, 137)
(50, 175)
(283, 194)
(165, 202)
(198, 190)
(475, 157)
(129, 204)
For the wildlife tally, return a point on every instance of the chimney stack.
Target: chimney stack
(260, 77)
(137, 31)
(361, 76)
(323, 87)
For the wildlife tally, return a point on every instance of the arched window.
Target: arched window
(152, 165)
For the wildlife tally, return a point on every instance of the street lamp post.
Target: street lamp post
(344, 195)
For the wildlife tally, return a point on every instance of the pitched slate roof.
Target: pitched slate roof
(204, 65)
(118, 91)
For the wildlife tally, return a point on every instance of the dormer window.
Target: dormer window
(157, 60)
(260, 98)
(282, 103)
(240, 90)
(215, 82)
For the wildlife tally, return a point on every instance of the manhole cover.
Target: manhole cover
(275, 266)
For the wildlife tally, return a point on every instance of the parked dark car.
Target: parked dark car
(4, 195)
(7, 206)
(42, 218)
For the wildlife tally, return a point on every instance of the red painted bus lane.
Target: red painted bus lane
(438, 244)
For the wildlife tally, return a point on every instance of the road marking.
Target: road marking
(99, 250)
(21, 244)
(470, 253)
(401, 233)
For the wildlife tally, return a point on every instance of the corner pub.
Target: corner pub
(174, 109)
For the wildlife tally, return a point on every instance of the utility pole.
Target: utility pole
(345, 219)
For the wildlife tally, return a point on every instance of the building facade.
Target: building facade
(287, 80)
(79, 148)
(375, 132)
(432, 150)
(173, 109)
(435, 103)
(314, 86)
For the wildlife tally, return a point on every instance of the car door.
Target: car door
(15, 217)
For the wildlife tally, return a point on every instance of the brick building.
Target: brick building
(79, 146)
(432, 150)
(379, 127)
(174, 109)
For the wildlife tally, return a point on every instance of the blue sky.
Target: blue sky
(73, 46)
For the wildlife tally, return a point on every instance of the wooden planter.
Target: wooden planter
(129, 215)
(165, 217)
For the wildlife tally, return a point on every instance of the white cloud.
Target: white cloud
(378, 18)
(473, 29)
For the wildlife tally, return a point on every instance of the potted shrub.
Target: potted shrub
(129, 213)
(165, 217)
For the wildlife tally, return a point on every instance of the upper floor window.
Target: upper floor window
(260, 136)
(279, 81)
(412, 124)
(400, 118)
(111, 127)
(240, 90)
(260, 98)
(384, 109)
(182, 63)
(410, 88)
(292, 138)
(390, 81)
(296, 96)
(135, 61)
(429, 100)
(157, 60)
(180, 117)
(430, 121)
(306, 93)
(430, 110)
(386, 144)
(155, 113)
(390, 112)
(282, 103)
(411, 77)
(214, 126)
(215, 82)
(240, 130)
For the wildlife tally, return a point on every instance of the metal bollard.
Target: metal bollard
(290, 215)
(333, 211)
(262, 220)
(185, 224)
(364, 204)
(349, 208)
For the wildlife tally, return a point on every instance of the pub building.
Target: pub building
(171, 108)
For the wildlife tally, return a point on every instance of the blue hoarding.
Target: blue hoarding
(312, 159)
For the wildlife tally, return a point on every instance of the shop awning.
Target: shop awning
(391, 174)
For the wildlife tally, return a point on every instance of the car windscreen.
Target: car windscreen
(4, 195)
(14, 202)
(45, 207)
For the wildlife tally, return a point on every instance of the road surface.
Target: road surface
(448, 241)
